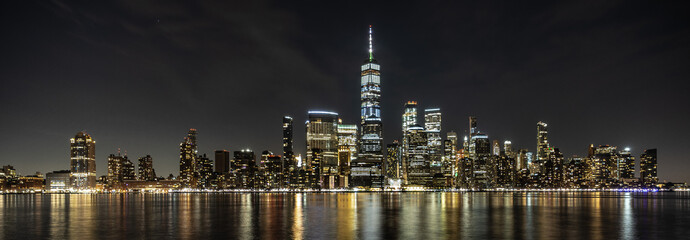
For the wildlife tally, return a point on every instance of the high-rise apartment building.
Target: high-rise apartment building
(188, 160)
(347, 151)
(146, 171)
(83, 161)
(432, 125)
(648, 167)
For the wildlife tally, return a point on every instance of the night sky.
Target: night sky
(137, 75)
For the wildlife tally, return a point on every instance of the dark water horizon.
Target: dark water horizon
(359, 215)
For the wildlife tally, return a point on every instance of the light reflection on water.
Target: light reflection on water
(542, 215)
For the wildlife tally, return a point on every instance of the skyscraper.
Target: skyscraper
(542, 141)
(222, 161)
(287, 138)
(244, 165)
(370, 157)
(146, 171)
(409, 117)
(347, 151)
(432, 124)
(418, 166)
(322, 138)
(83, 161)
(393, 159)
(626, 165)
(648, 167)
(188, 158)
(508, 148)
(496, 148)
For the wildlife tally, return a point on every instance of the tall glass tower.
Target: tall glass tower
(366, 171)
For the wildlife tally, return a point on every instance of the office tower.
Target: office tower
(58, 180)
(482, 167)
(289, 160)
(270, 171)
(222, 161)
(542, 141)
(393, 160)
(626, 165)
(508, 148)
(244, 166)
(366, 171)
(496, 148)
(603, 164)
(473, 126)
(418, 164)
(432, 124)
(505, 171)
(146, 171)
(204, 171)
(450, 157)
(521, 159)
(83, 161)
(551, 174)
(288, 153)
(322, 136)
(347, 151)
(188, 155)
(409, 117)
(648, 167)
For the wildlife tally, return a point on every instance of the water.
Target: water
(347, 216)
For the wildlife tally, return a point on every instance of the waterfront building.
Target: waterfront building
(482, 166)
(244, 166)
(322, 147)
(204, 171)
(83, 162)
(58, 181)
(648, 175)
(118, 170)
(289, 160)
(505, 170)
(270, 171)
(575, 169)
(367, 169)
(603, 166)
(625, 168)
(146, 171)
(347, 151)
(418, 163)
(188, 160)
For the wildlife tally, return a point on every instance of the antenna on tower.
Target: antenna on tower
(371, 46)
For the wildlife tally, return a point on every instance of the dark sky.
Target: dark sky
(136, 75)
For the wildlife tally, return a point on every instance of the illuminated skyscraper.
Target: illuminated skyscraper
(418, 170)
(370, 157)
(287, 138)
(603, 164)
(648, 167)
(188, 158)
(244, 166)
(347, 151)
(409, 117)
(393, 160)
(146, 171)
(496, 148)
(473, 126)
(542, 141)
(508, 148)
(432, 125)
(322, 138)
(83, 161)
(626, 165)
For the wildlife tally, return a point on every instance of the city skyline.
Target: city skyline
(130, 127)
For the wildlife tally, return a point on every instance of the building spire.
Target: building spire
(371, 46)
